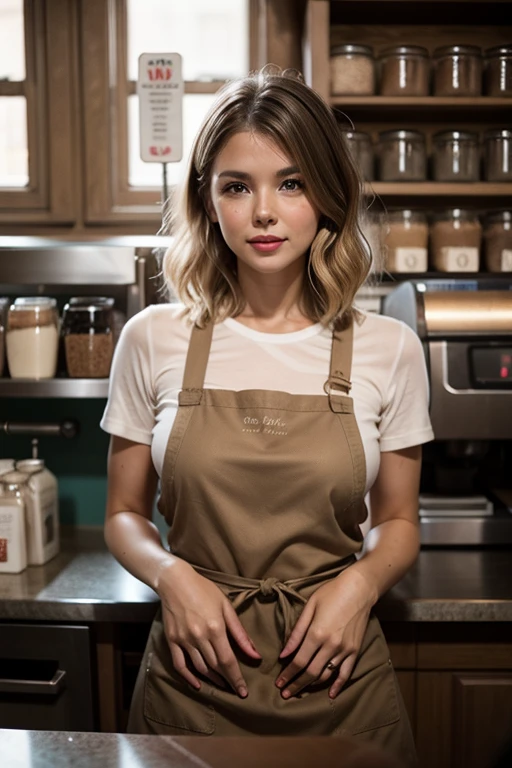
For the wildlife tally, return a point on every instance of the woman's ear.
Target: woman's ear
(210, 210)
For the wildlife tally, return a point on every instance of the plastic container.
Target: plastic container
(498, 70)
(498, 241)
(87, 329)
(32, 338)
(402, 156)
(6, 465)
(455, 240)
(361, 149)
(498, 155)
(42, 511)
(458, 70)
(455, 156)
(13, 544)
(406, 241)
(404, 71)
(352, 70)
(4, 306)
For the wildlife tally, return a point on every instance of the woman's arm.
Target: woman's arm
(196, 614)
(393, 542)
(332, 625)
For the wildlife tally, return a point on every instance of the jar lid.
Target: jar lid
(32, 303)
(80, 301)
(404, 50)
(366, 50)
(498, 133)
(499, 50)
(30, 466)
(356, 135)
(403, 133)
(400, 214)
(456, 213)
(13, 480)
(457, 50)
(498, 216)
(455, 135)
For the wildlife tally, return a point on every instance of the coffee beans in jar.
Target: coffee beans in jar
(455, 240)
(498, 71)
(457, 70)
(360, 146)
(498, 155)
(456, 156)
(87, 328)
(406, 241)
(404, 71)
(32, 338)
(402, 156)
(352, 70)
(498, 241)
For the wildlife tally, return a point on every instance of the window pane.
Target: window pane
(12, 40)
(13, 142)
(211, 35)
(142, 174)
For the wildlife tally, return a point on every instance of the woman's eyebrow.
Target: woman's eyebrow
(247, 176)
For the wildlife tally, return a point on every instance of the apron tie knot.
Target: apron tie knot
(268, 586)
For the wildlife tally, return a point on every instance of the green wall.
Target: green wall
(79, 463)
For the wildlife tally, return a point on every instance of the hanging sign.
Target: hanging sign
(160, 90)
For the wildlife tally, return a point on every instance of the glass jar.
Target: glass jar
(455, 156)
(360, 146)
(498, 155)
(498, 241)
(402, 156)
(87, 329)
(32, 338)
(406, 241)
(404, 71)
(455, 239)
(498, 71)
(352, 70)
(457, 70)
(13, 534)
(4, 306)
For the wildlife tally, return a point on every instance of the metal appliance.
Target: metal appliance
(466, 331)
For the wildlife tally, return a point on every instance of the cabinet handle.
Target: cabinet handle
(47, 687)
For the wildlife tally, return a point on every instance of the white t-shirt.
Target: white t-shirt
(389, 378)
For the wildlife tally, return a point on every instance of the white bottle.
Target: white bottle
(13, 544)
(6, 465)
(42, 511)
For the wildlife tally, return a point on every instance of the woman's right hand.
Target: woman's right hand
(197, 617)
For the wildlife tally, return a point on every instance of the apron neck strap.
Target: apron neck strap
(197, 357)
(341, 360)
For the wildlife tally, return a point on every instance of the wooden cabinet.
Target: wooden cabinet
(382, 23)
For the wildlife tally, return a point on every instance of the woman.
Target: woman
(239, 402)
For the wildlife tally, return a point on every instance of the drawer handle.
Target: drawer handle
(47, 687)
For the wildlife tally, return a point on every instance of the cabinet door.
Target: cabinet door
(463, 718)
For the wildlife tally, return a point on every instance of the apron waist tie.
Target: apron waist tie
(240, 590)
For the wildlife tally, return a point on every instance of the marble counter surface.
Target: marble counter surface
(84, 583)
(55, 749)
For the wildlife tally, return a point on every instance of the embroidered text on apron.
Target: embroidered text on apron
(264, 494)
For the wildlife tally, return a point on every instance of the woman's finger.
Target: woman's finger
(345, 670)
(299, 631)
(311, 674)
(180, 665)
(238, 633)
(199, 663)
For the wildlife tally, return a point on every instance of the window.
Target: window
(13, 102)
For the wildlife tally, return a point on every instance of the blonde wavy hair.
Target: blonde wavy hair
(200, 269)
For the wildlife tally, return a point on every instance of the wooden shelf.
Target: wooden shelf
(426, 102)
(62, 388)
(438, 188)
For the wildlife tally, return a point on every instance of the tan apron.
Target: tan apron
(264, 494)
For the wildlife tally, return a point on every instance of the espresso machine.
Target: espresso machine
(466, 331)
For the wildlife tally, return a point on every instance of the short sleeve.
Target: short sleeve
(129, 412)
(405, 419)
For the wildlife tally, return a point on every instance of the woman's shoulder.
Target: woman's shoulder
(155, 320)
(385, 338)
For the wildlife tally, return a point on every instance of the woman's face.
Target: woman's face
(258, 198)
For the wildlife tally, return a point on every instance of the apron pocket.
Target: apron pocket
(170, 701)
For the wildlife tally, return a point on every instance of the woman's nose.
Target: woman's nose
(264, 211)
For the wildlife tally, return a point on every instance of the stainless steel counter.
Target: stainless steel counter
(84, 583)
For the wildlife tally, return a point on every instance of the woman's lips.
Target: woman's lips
(266, 245)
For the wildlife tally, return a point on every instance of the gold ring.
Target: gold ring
(331, 666)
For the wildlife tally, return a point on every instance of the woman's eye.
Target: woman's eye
(291, 185)
(235, 187)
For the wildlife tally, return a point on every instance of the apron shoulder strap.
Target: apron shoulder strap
(197, 357)
(341, 360)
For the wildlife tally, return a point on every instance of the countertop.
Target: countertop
(84, 583)
(55, 749)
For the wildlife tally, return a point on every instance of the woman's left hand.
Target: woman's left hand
(330, 629)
